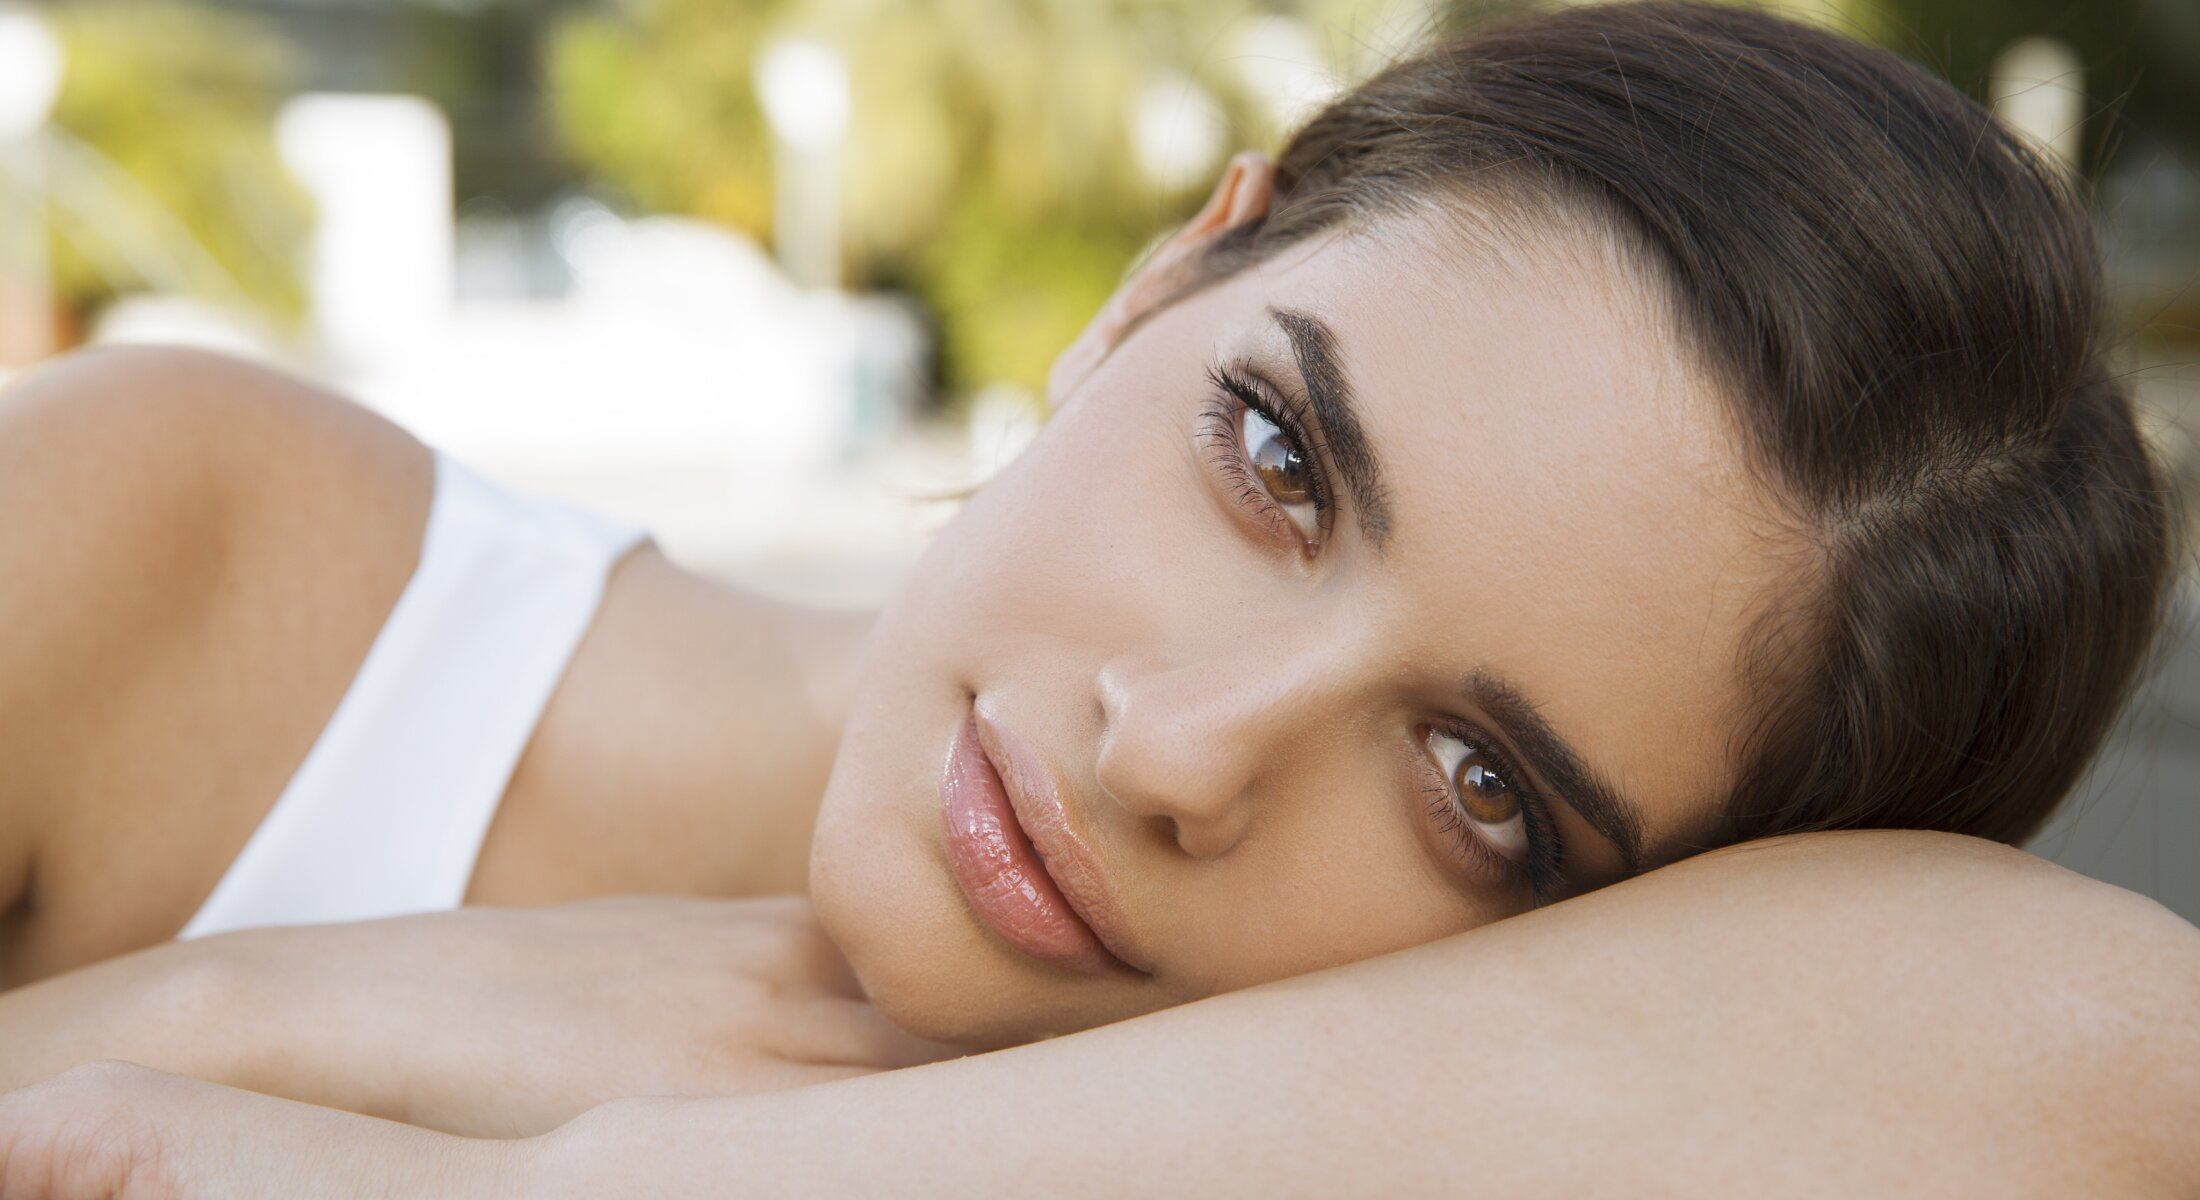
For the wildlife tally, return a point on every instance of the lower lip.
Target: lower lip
(998, 870)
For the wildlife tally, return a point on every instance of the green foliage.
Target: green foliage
(989, 167)
(1016, 292)
(168, 175)
(2139, 57)
(657, 100)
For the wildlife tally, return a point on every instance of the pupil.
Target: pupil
(1283, 469)
(1485, 794)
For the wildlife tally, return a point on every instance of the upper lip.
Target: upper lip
(1035, 795)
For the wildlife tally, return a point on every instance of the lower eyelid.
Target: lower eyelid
(1219, 442)
(1466, 852)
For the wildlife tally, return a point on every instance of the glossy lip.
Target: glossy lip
(1066, 854)
(1032, 877)
(1001, 873)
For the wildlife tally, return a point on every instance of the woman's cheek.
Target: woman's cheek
(1095, 505)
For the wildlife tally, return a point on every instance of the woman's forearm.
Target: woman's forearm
(1839, 1015)
(1844, 1015)
(170, 1006)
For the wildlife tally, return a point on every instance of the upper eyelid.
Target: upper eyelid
(1477, 734)
(1292, 416)
(1300, 421)
(1295, 416)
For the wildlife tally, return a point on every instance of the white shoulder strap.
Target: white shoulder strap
(387, 813)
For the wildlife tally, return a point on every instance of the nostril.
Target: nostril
(1114, 782)
(1136, 781)
(1200, 816)
(1181, 746)
(1118, 680)
(1211, 835)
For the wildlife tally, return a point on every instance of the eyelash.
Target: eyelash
(1544, 869)
(1236, 390)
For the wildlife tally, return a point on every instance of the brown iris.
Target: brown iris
(1483, 793)
(1282, 468)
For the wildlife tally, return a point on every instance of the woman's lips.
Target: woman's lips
(1009, 845)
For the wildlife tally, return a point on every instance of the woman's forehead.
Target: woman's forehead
(1570, 502)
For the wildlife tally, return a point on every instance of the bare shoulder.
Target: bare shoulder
(190, 547)
(132, 478)
(182, 419)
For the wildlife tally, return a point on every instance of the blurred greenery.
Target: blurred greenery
(990, 168)
(168, 176)
(2142, 57)
(658, 104)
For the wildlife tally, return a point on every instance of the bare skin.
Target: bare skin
(173, 587)
(1259, 730)
(491, 1022)
(1967, 1021)
(1220, 765)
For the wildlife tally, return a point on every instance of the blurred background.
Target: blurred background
(775, 276)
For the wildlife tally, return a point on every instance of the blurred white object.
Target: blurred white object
(803, 88)
(379, 170)
(2038, 91)
(181, 321)
(683, 376)
(803, 85)
(1280, 61)
(1177, 131)
(31, 68)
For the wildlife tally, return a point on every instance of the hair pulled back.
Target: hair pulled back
(1904, 305)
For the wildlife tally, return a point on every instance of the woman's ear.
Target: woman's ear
(1242, 195)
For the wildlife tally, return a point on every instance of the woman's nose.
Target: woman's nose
(1189, 742)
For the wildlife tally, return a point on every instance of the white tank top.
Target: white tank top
(388, 810)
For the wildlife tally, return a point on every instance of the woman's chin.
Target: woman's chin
(944, 1000)
(939, 979)
(924, 1002)
(929, 967)
(882, 886)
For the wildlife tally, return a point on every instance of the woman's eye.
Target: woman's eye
(1484, 799)
(1282, 468)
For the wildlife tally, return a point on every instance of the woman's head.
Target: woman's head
(1609, 435)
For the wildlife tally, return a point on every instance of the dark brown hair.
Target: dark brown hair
(1904, 304)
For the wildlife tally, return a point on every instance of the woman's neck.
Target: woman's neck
(686, 751)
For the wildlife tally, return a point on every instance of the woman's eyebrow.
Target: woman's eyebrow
(1314, 346)
(1551, 756)
(1329, 393)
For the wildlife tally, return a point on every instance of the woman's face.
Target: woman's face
(1363, 598)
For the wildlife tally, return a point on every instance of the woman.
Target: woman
(1618, 434)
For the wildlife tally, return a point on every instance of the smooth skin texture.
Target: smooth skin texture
(492, 1022)
(1965, 1021)
(1236, 869)
(196, 556)
(1236, 722)
(1237, 709)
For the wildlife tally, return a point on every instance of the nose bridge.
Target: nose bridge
(1188, 734)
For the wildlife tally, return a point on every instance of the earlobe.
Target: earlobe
(1242, 195)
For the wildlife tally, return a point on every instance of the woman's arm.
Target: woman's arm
(170, 1007)
(1843, 1015)
(195, 554)
(492, 1021)
(1854, 1014)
